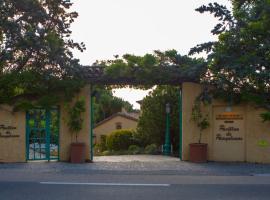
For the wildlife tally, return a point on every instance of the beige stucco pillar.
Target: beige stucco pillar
(66, 137)
(189, 93)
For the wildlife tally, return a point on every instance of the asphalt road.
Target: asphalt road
(51, 191)
(136, 180)
(133, 187)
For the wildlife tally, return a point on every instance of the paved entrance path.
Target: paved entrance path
(135, 158)
(138, 164)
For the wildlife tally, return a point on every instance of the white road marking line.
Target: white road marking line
(107, 184)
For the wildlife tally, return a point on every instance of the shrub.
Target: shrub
(151, 149)
(106, 153)
(97, 149)
(134, 149)
(139, 139)
(119, 140)
(265, 116)
(103, 145)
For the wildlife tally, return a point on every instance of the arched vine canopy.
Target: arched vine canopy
(159, 68)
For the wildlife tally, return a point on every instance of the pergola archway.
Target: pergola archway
(96, 75)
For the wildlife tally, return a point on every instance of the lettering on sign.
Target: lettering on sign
(228, 138)
(7, 131)
(223, 128)
(229, 116)
(228, 130)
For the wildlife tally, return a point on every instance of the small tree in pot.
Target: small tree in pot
(75, 123)
(198, 151)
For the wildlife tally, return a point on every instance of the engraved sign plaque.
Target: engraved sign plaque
(8, 131)
(228, 135)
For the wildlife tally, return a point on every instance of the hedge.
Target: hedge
(120, 140)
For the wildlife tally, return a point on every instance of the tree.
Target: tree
(106, 104)
(239, 62)
(36, 61)
(151, 125)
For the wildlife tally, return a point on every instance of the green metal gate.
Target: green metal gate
(42, 134)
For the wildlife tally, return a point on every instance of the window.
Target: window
(118, 125)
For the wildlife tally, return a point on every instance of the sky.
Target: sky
(117, 27)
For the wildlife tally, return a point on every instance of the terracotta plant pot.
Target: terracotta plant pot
(77, 153)
(198, 153)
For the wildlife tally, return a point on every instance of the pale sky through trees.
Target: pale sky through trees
(116, 27)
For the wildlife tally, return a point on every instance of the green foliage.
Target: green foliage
(28, 89)
(105, 104)
(110, 153)
(199, 118)
(75, 118)
(151, 149)
(239, 62)
(107, 153)
(139, 138)
(103, 145)
(265, 116)
(167, 67)
(119, 140)
(37, 67)
(134, 149)
(263, 143)
(151, 124)
(98, 150)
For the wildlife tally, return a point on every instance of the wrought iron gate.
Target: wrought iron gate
(42, 134)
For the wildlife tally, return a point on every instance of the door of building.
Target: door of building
(42, 134)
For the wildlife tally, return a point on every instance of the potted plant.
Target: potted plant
(75, 123)
(198, 151)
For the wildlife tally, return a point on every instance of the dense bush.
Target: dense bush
(139, 139)
(134, 149)
(103, 145)
(151, 149)
(106, 153)
(120, 140)
(97, 149)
